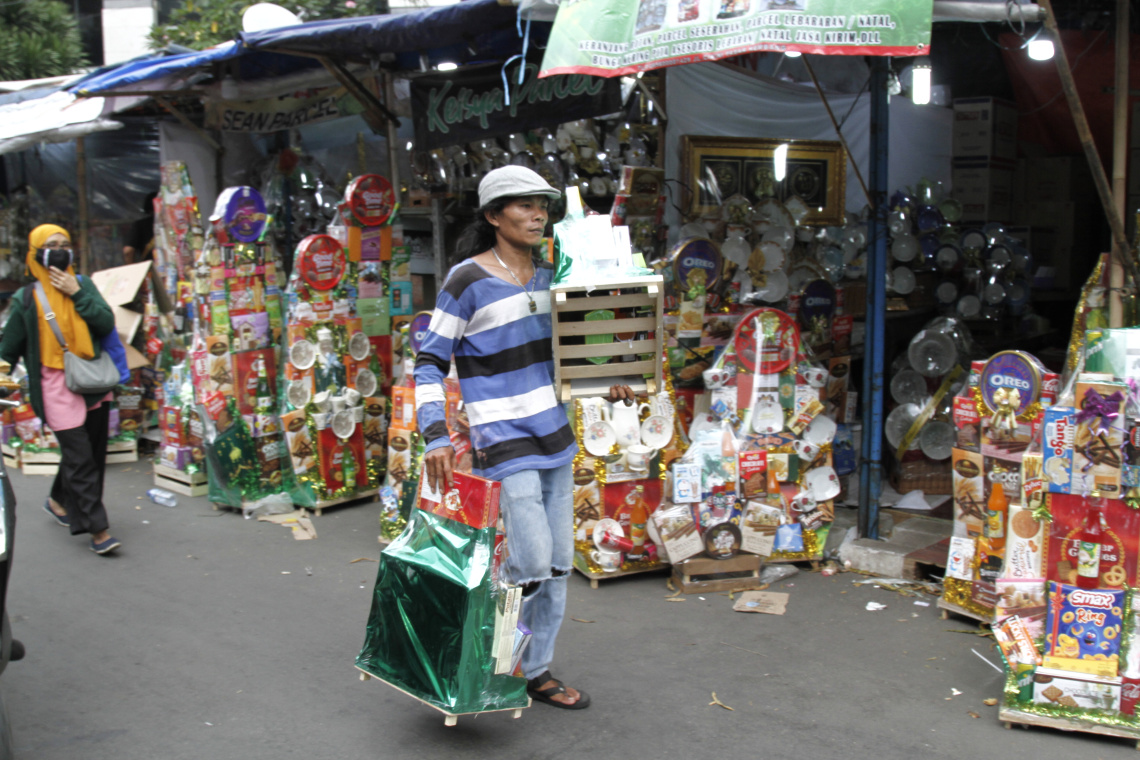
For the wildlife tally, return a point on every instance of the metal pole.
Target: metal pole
(874, 353)
(81, 193)
(1119, 157)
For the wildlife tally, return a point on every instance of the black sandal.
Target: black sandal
(547, 695)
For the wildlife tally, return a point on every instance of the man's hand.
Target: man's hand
(621, 393)
(439, 464)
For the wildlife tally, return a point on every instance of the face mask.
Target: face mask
(60, 258)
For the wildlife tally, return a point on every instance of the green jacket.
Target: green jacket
(22, 334)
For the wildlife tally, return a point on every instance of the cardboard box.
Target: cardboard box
(1057, 447)
(984, 128)
(1067, 689)
(984, 188)
(970, 492)
(1103, 472)
(1058, 179)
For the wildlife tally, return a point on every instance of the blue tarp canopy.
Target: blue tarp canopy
(467, 32)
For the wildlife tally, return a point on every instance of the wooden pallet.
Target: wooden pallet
(921, 562)
(449, 718)
(368, 495)
(705, 575)
(948, 608)
(123, 452)
(1011, 716)
(574, 375)
(185, 483)
(39, 463)
(581, 566)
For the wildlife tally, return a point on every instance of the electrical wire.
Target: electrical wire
(1076, 62)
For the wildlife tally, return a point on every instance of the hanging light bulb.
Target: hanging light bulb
(920, 81)
(1040, 48)
(793, 53)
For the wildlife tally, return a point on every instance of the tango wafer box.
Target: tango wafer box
(1083, 629)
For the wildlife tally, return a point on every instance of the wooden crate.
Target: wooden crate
(1010, 716)
(574, 374)
(122, 452)
(185, 483)
(703, 574)
(39, 463)
(11, 457)
(367, 495)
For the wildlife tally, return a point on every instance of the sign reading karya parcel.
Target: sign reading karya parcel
(286, 112)
(614, 37)
(470, 104)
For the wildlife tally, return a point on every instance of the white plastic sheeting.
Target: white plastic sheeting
(712, 99)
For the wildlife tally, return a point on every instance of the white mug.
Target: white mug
(321, 400)
(715, 377)
(816, 376)
(608, 561)
(806, 450)
(351, 396)
(638, 457)
(625, 420)
(803, 502)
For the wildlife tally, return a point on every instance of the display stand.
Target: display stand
(449, 718)
(1010, 716)
(574, 375)
(179, 481)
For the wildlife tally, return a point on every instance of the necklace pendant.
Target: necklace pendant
(533, 307)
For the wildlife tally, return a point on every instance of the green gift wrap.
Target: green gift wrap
(431, 631)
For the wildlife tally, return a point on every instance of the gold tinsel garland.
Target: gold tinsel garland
(960, 593)
(1080, 317)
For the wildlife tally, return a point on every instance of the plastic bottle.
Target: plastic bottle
(1130, 688)
(638, 520)
(163, 497)
(1089, 541)
(996, 510)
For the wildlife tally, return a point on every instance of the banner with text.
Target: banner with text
(286, 112)
(614, 37)
(469, 104)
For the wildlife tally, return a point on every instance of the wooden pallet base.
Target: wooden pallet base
(1011, 716)
(11, 457)
(121, 453)
(185, 483)
(450, 718)
(704, 575)
(948, 608)
(593, 577)
(367, 495)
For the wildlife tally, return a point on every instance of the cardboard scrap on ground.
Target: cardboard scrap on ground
(768, 602)
(298, 520)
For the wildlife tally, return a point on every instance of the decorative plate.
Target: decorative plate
(656, 432)
(599, 438)
(358, 346)
(302, 354)
(299, 393)
(343, 423)
(603, 526)
(821, 430)
(366, 382)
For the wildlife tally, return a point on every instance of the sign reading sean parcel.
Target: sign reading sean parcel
(469, 104)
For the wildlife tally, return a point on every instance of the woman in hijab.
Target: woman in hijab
(79, 422)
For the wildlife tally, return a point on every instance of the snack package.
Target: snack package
(678, 531)
(1024, 598)
(1067, 689)
(960, 562)
(1118, 547)
(1099, 437)
(1025, 544)
(758, 524)
(1082, 629)
(968, 482)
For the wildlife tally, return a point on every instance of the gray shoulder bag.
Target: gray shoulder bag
(82, 376)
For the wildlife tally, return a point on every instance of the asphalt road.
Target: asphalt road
(211, 636)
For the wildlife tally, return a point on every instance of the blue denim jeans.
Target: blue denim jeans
(538, 509)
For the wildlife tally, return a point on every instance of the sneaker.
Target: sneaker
(106, 547)
(64, 521)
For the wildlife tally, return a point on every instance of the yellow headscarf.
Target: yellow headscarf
(72, 326)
